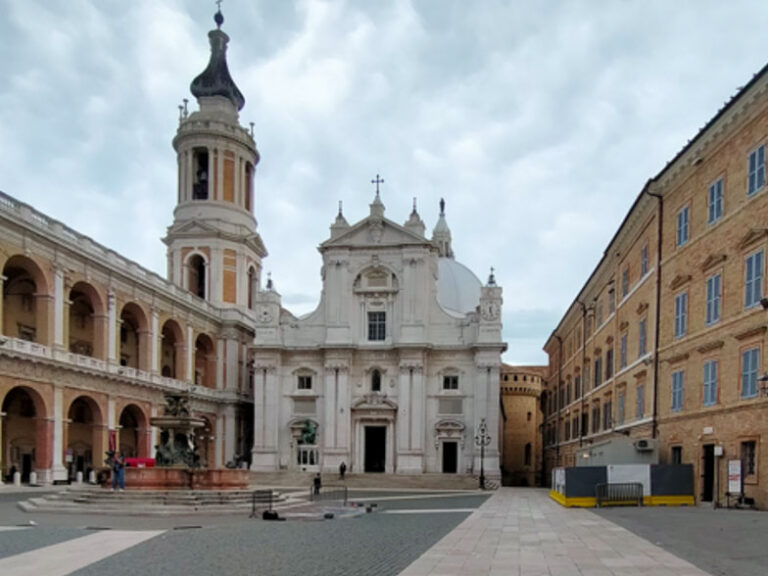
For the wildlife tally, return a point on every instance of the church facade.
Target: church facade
(394, 372)
(397, 367)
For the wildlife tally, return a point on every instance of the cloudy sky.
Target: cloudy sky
(537, 121)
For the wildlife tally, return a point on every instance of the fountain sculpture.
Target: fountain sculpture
(177, 461)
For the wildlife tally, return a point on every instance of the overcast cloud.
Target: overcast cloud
(538, 122)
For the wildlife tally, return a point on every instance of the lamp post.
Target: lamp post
(482, 439)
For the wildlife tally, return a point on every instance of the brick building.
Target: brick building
(521, 419)
(666, 340)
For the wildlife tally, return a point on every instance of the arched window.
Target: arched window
(376, 381)
(196, 275)
(200, 186)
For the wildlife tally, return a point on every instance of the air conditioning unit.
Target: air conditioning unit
(643, 445)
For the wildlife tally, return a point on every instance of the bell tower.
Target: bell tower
(214, 250)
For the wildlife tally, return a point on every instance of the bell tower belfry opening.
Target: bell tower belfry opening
(214, 250)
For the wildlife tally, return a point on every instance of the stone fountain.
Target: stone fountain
(177, 462)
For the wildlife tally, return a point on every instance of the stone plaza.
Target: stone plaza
(513, 531)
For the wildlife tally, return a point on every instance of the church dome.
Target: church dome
(458, 289)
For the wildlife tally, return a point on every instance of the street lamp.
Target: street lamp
(482, 439)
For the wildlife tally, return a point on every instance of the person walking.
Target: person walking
(342, 470)
(118, 472)
(317, 482)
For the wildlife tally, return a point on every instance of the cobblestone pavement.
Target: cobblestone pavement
(722, 542)
(372, 544)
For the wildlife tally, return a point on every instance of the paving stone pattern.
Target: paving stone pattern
(524, 533)
(374, 544)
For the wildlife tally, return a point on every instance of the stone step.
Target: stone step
(367, 481)
(137, 507)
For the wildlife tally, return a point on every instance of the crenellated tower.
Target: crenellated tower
(214, 250)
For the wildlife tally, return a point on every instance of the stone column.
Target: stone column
(330, 434)
(155, 343)
(230, 440)
(266, 405)
(111, 327)
(418, 405)
(190, 360)
(58, 307)
(344, 422)
(1, 428)
(59, 470)
(404, 439)
(232, 362)
(2, 320)
(220, 347)
(219, 448)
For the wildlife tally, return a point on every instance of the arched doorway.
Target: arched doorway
(133, 432)
(84, 445)
(85, 321)
(205, 362)
(133, 335)
(23, 315)
(24, 433)
(172, 351)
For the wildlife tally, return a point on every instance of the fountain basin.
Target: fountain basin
(186, 479)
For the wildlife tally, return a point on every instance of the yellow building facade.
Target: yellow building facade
(689, 259)
(521, 455)
(91, 343)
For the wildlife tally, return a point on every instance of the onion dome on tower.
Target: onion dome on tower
(215, 80)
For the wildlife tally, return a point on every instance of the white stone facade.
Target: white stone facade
(395, 368)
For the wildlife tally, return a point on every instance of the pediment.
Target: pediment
(679, 280)
(449, 424)
(754, 235)
(376, 232)
(374, 402)
(192, 228)
(712, 260)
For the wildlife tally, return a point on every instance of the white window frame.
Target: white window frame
(715, 201)
(709, 394)
(301, 380)
(756, 170)
(683, 223)
(754, 271)
(377, 332)
(451, 382)
(681, 314)
(714, 294)
(678, 390)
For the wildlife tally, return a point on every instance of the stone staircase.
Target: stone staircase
(411, 482)
(155, 502)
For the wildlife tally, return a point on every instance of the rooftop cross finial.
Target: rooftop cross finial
(218, 17)
(414, 203)
(442, 206)
(378, 180)
(340, 208)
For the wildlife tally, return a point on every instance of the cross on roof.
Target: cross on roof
(218, 4)
(378, 180)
